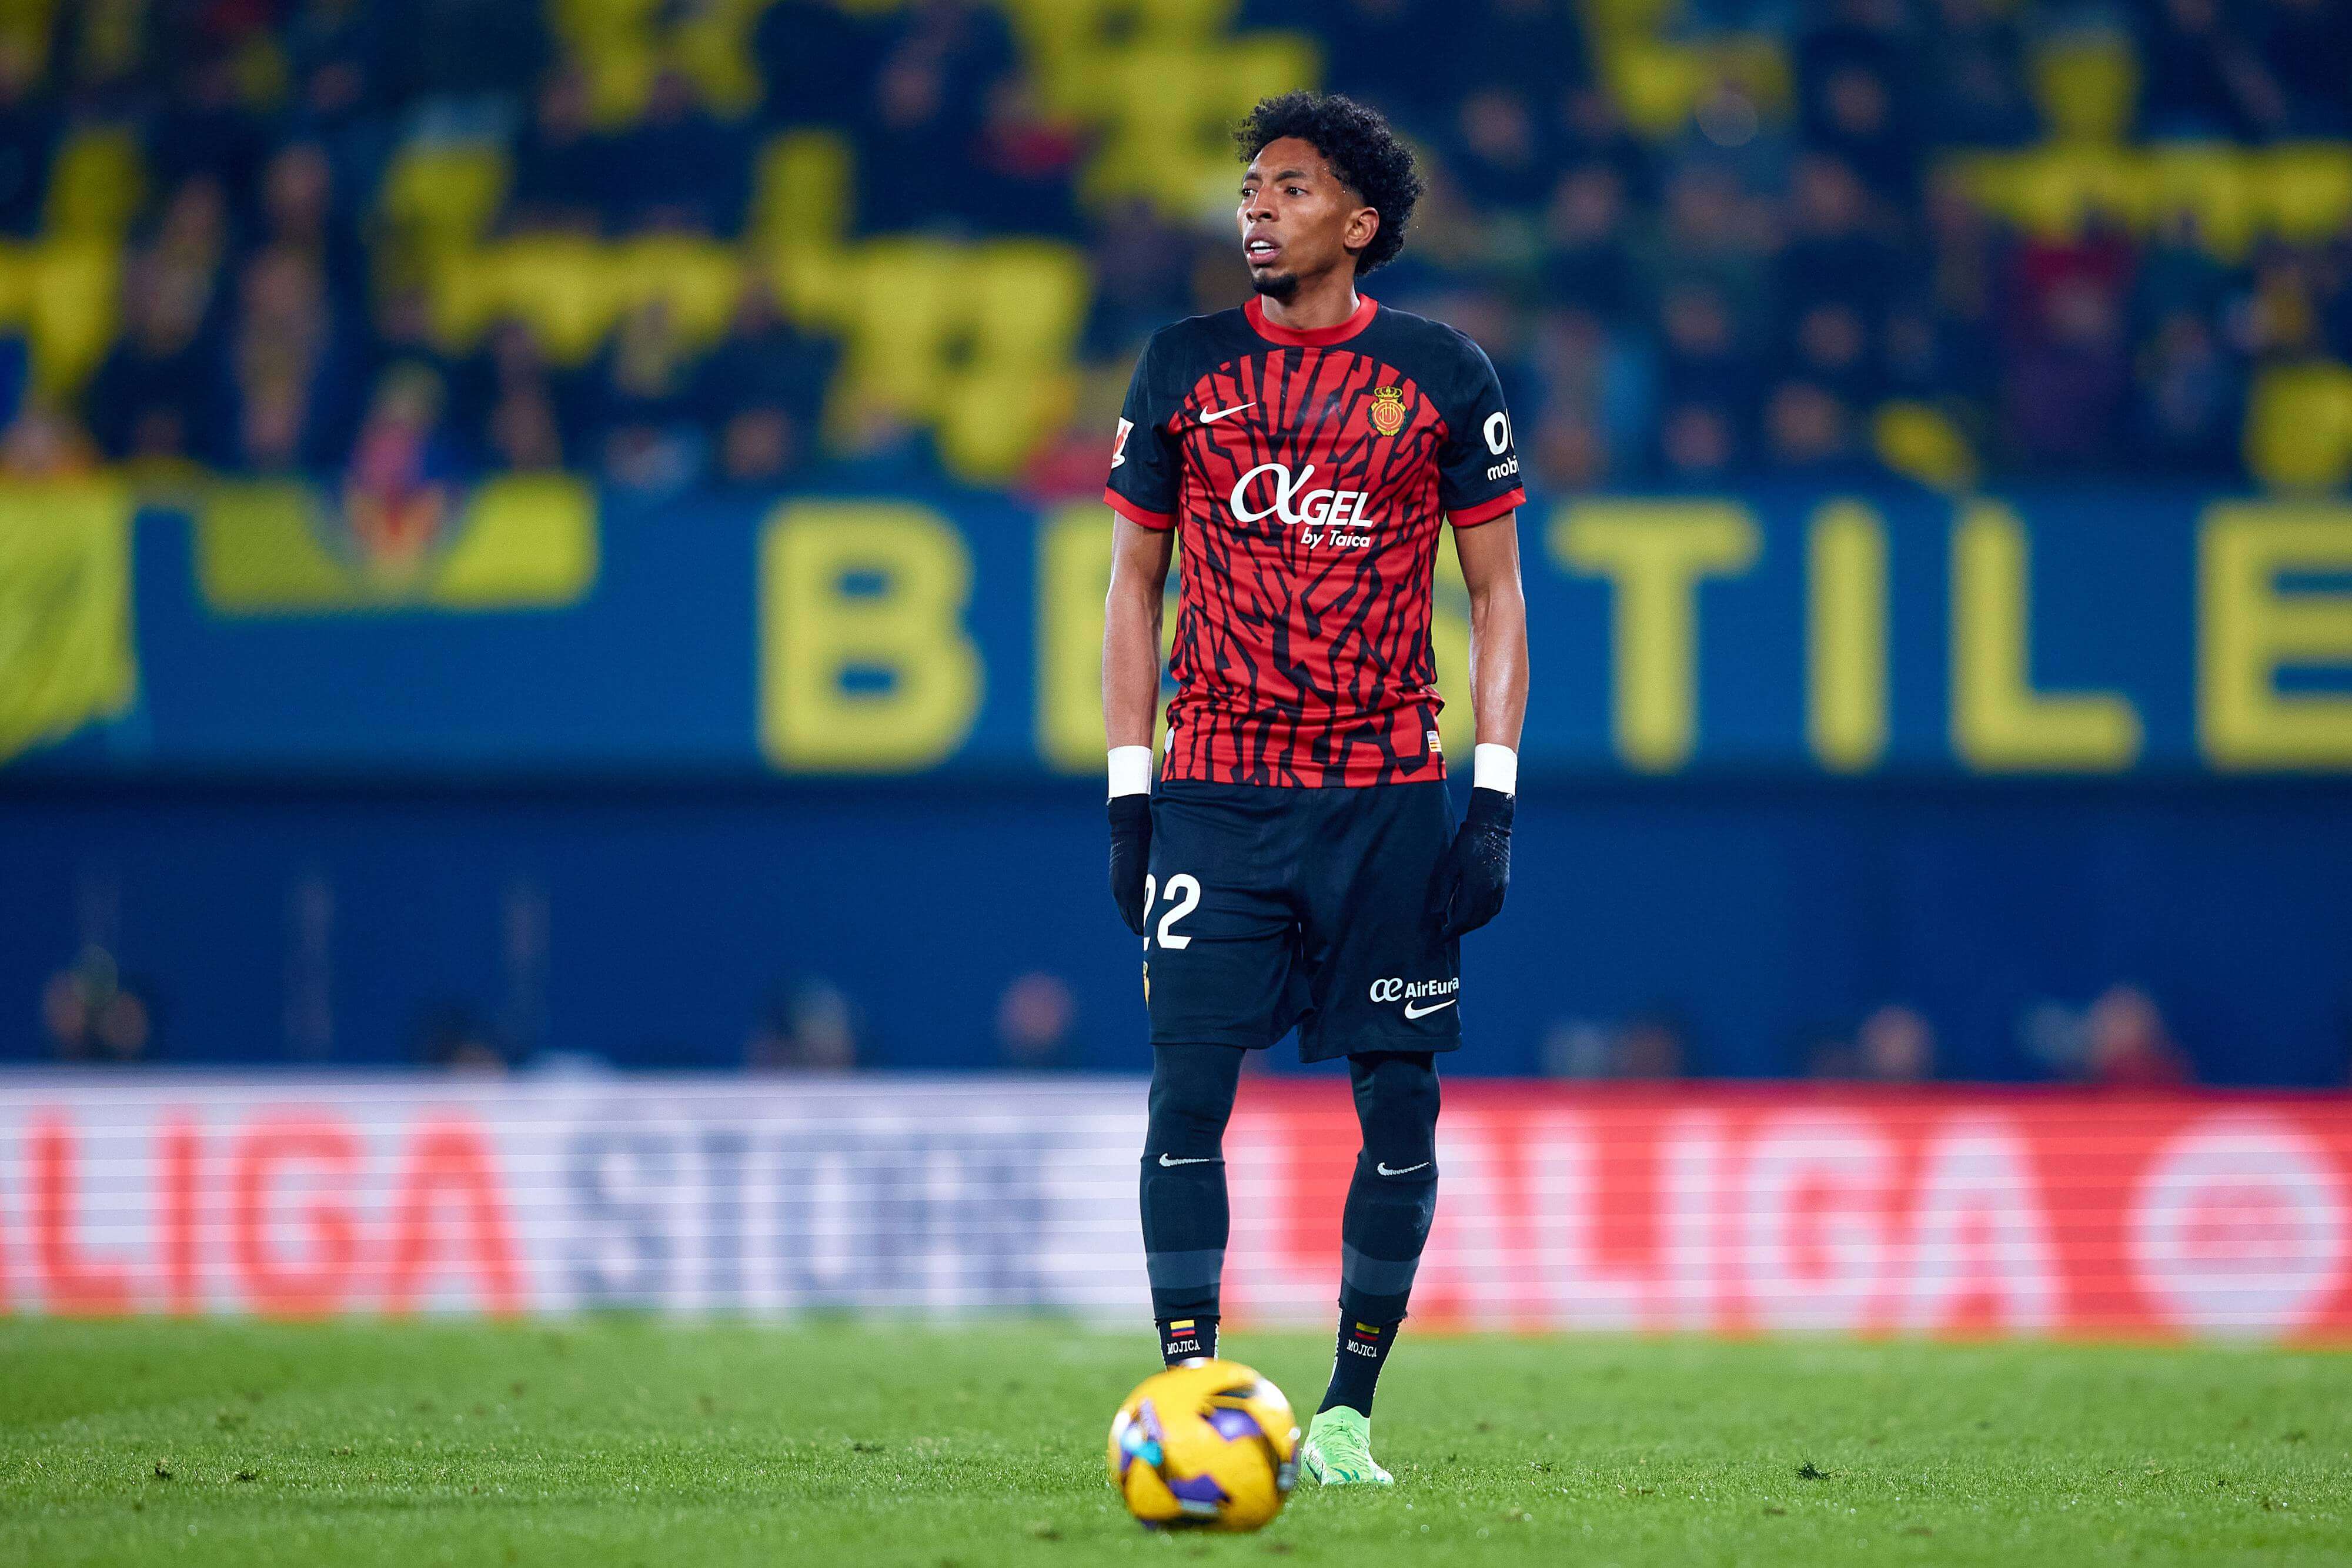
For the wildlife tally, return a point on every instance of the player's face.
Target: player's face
(1297, 221)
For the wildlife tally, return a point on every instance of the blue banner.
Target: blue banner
(542, 629)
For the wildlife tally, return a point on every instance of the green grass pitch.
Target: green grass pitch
(647, 1442)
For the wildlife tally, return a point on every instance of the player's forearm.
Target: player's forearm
(1131, 615)
(1498, 663)
(1130, 669)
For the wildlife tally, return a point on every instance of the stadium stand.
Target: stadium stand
(744, 241)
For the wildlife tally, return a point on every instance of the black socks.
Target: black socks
(1182, 1339)
(1390, 1203)
(1356, 1368)
(1185, 1218)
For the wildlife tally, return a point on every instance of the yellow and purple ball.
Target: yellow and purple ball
(1207, 1445)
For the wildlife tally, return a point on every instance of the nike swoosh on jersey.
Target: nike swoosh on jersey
(1208, 418)
(1401, 1170)
(1411, 1012)
(1170, 1162)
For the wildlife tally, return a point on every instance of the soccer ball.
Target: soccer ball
(1209, 1445)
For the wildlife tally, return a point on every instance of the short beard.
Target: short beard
(1282, 286)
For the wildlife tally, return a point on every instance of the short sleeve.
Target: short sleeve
(1143, 456)
(1478, 466)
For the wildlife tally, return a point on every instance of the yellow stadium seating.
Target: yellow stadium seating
(2299, 427)
(2086, 85)
(563, 284)
(1759, 66)
(2300, 192)
(712, 44)
(801, 190)
(75, 282)
(1155, 99)
(2054, 193)
(96, 184)
(2303, 190)
(1259, 64)
(591, 25)
(1918, 440)
(1654, 82)
(461, 295)
(991, 420)
(1615, 21)
(1068, 42)
(907, 314)
(1172, 107)
(1028, 299)
(699, 279)
(620, 73)
(976, 340)
(1094, 25)
(973, 341)
(443, 196)
(26, 24)
(572, 289)
(817, 284)
(1658, 83)
(1061, 60)
(15, 282)
(2214, 185)
(621, 45)
(1990, 179)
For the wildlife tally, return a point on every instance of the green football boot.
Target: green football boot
(1337, 1450)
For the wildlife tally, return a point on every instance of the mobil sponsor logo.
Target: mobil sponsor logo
(1497, 431)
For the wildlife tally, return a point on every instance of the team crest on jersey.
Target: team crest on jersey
(1387, 410)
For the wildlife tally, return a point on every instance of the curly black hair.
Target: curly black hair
(1363, 150)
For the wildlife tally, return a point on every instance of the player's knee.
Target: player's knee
(1192, 1088)
(1396, 1103)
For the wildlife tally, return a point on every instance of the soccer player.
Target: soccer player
(1300, 864)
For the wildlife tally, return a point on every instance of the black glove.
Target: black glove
(1131, 856)
(1468, 889)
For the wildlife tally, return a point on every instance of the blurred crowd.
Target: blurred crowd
(258, 331)
(2118, 1041)
(94, 1016)
(1757, 291)
(1746, 295)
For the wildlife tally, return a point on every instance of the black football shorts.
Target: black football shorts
(1274, 906)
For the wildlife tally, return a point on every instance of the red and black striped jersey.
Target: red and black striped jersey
(1309, 475)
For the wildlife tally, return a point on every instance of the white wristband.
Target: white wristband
(1131, 770)
(1496, 767)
